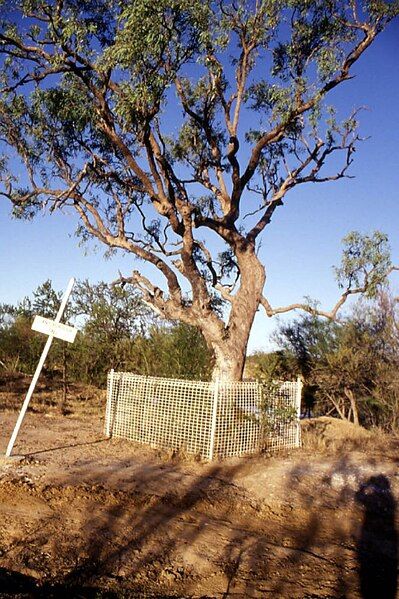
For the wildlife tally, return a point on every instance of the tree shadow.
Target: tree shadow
(377, 545)
(29, 454)
(15, 584)
(147, 528)
(127, 540)
(141, 538)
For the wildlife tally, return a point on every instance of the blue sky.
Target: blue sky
(304, 240)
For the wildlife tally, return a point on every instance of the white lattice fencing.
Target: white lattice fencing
(206, 419)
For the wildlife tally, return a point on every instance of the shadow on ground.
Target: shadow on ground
(331, 535)
(14, 584)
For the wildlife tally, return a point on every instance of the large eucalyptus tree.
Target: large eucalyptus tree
(135, 115)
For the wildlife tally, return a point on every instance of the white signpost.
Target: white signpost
(52, 328)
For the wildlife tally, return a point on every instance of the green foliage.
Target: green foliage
(274, 98)
(116, 331)
(266, 367)
(275, 410)
(306, 340)
(142, 46)
(365, 263)
(109, 312)
(151, 44)
(45, 301)
(351, 368)
(172, 351)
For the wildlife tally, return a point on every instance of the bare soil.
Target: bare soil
(85, 516)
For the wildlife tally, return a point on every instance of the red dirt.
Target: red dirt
(82, 516)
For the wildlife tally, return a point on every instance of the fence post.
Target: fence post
(214, 418)
(110, 388)
(299, 386)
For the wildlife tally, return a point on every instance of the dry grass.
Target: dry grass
(48, 396)
(332, 435)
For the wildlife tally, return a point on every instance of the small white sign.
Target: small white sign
(52, 328)
(56, 329)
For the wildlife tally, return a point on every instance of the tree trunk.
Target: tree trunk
(349, 394)
(229, 345)
(64, 380)
(340, 411)
(229, 363)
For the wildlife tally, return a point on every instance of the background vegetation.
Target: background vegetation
(116, 330)
(349, 368)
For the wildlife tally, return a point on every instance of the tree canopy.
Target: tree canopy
(135, 116)
(350, 369)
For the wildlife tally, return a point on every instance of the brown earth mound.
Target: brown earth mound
(331, 433)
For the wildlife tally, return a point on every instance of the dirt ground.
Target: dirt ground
(85, 516)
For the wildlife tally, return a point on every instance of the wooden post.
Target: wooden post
(214, 418)
(39, 369)
(109, 404)
(299, 386)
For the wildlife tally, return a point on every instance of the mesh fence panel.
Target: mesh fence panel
(206, 419)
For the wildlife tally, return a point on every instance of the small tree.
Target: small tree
(271, 366)
(19, 345)
(111, 318)
(352, 367)
(175, 350)
(89, 90)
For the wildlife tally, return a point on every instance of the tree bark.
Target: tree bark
(229, 363)
(349, 394)
(340, 411)
(229, 344)
(64, 380)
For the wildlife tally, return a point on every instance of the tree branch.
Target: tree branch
(329, 314)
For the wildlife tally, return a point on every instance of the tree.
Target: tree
(308, 339)
(175, 350)
(87, 96)
(111, 318)
(352, 366)
(305, 343)
(20, 347)
(110, 312)
(271, 366)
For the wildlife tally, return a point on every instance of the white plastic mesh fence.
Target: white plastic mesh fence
(206, 419)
